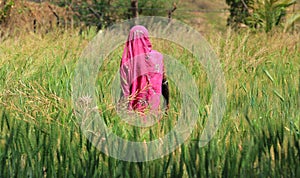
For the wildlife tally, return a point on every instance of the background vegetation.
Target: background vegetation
(265, 14)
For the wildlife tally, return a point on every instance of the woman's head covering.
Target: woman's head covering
(137, 43)
(141, 71)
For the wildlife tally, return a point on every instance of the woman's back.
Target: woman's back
(141, 71)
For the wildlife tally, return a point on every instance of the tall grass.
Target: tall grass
(259, 135)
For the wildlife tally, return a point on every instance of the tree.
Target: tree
(103, 13)
(239, 11)
(5, 8)
(268, 13)
(259, 14)
(134, 8)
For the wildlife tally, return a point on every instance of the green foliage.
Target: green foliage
(291, 20)
(155, 7)
(258, 14)
(5, 9)
(268, 13)
(102, 13)
(238, 12)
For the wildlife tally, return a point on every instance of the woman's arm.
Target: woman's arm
(124, 81)
(165, 89)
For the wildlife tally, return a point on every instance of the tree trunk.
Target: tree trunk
(134, 8)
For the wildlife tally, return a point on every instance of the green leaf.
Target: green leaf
(290, 21)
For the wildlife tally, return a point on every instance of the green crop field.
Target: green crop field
(259, 135)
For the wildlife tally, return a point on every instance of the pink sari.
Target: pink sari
(141, 72)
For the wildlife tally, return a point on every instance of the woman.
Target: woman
(142, 73)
